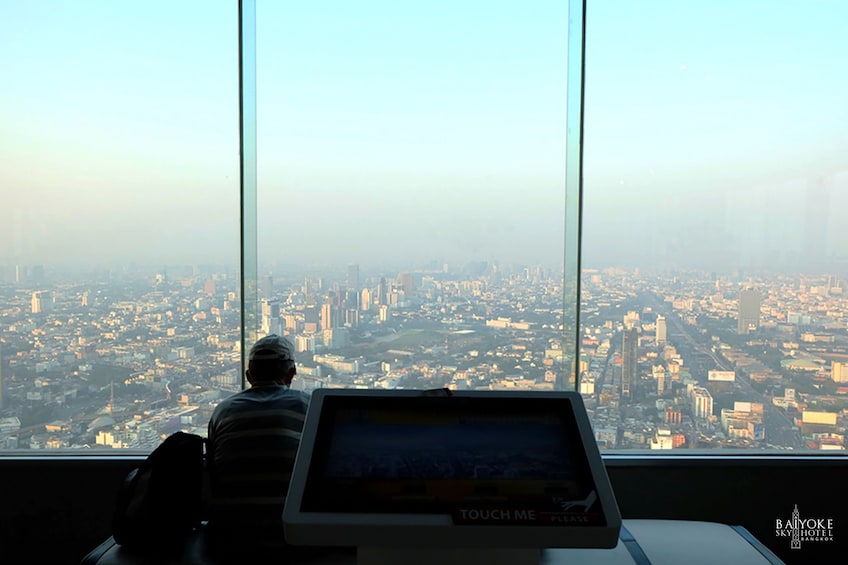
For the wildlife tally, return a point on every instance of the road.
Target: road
(780, 430)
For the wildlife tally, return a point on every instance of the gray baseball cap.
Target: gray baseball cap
(272, 347)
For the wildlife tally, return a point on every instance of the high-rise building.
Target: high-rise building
(37, 306)
(672, 416)
(351, 317)
(702, 403)
(272, 325)
(267, 288)
(333, 297)
(629, 354)
(271, 322)
(291, 325)
(329, 316)
(662, 330)
(351, 299)
(210, 286)
(271, 308)
(304, 343)
(311, 315)
(748, 315)
(382, 292)
(365, 303)
(663, 379)
(353, 278)
(406, 282)
(631, 320)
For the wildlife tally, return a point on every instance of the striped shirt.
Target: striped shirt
(253, 440)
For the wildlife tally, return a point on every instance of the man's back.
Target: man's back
(253, 440)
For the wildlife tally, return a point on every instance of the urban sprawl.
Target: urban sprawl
(666, 361)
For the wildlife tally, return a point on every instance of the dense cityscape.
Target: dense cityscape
(667, 361)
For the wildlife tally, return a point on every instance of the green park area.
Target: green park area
(102, 375)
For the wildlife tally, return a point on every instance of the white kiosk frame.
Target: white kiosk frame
(401, 537)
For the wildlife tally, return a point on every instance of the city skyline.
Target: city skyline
(662, 362)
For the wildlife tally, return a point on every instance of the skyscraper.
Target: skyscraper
(748, 315)
(629, 354)
(311, 319)
(382, 292)
(662, 330)
(351, 317)
(37, 307)
(267, 288)
(406, 282)
(353, 277)
(351, 299)
(271, 322)
(329, 316)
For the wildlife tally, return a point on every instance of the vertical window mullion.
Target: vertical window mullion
(247, 162)
(573, 193)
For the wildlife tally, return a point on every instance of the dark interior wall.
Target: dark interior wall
(55, 510)
(745, 491)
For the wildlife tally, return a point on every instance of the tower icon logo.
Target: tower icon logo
(799, 529)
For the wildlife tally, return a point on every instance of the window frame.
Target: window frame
(249, 279)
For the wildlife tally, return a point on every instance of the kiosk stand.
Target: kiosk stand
(475, 477)
(497, 478)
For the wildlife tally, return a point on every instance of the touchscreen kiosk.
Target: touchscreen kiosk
(495, 470)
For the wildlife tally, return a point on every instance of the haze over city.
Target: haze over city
(709, 141)
(412, 213)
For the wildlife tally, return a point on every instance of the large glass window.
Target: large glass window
(714, 307)
(411, 192)
(119, 238)
(410, 213)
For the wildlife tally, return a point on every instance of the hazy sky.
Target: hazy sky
(119, 131)
(395, 131)
(708, 126)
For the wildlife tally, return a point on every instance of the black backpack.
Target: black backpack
(161, 502)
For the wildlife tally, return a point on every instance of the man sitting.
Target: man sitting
(253, 439)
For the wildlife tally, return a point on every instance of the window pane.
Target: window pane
(411, 174)
(119, 317)
(714, 310)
